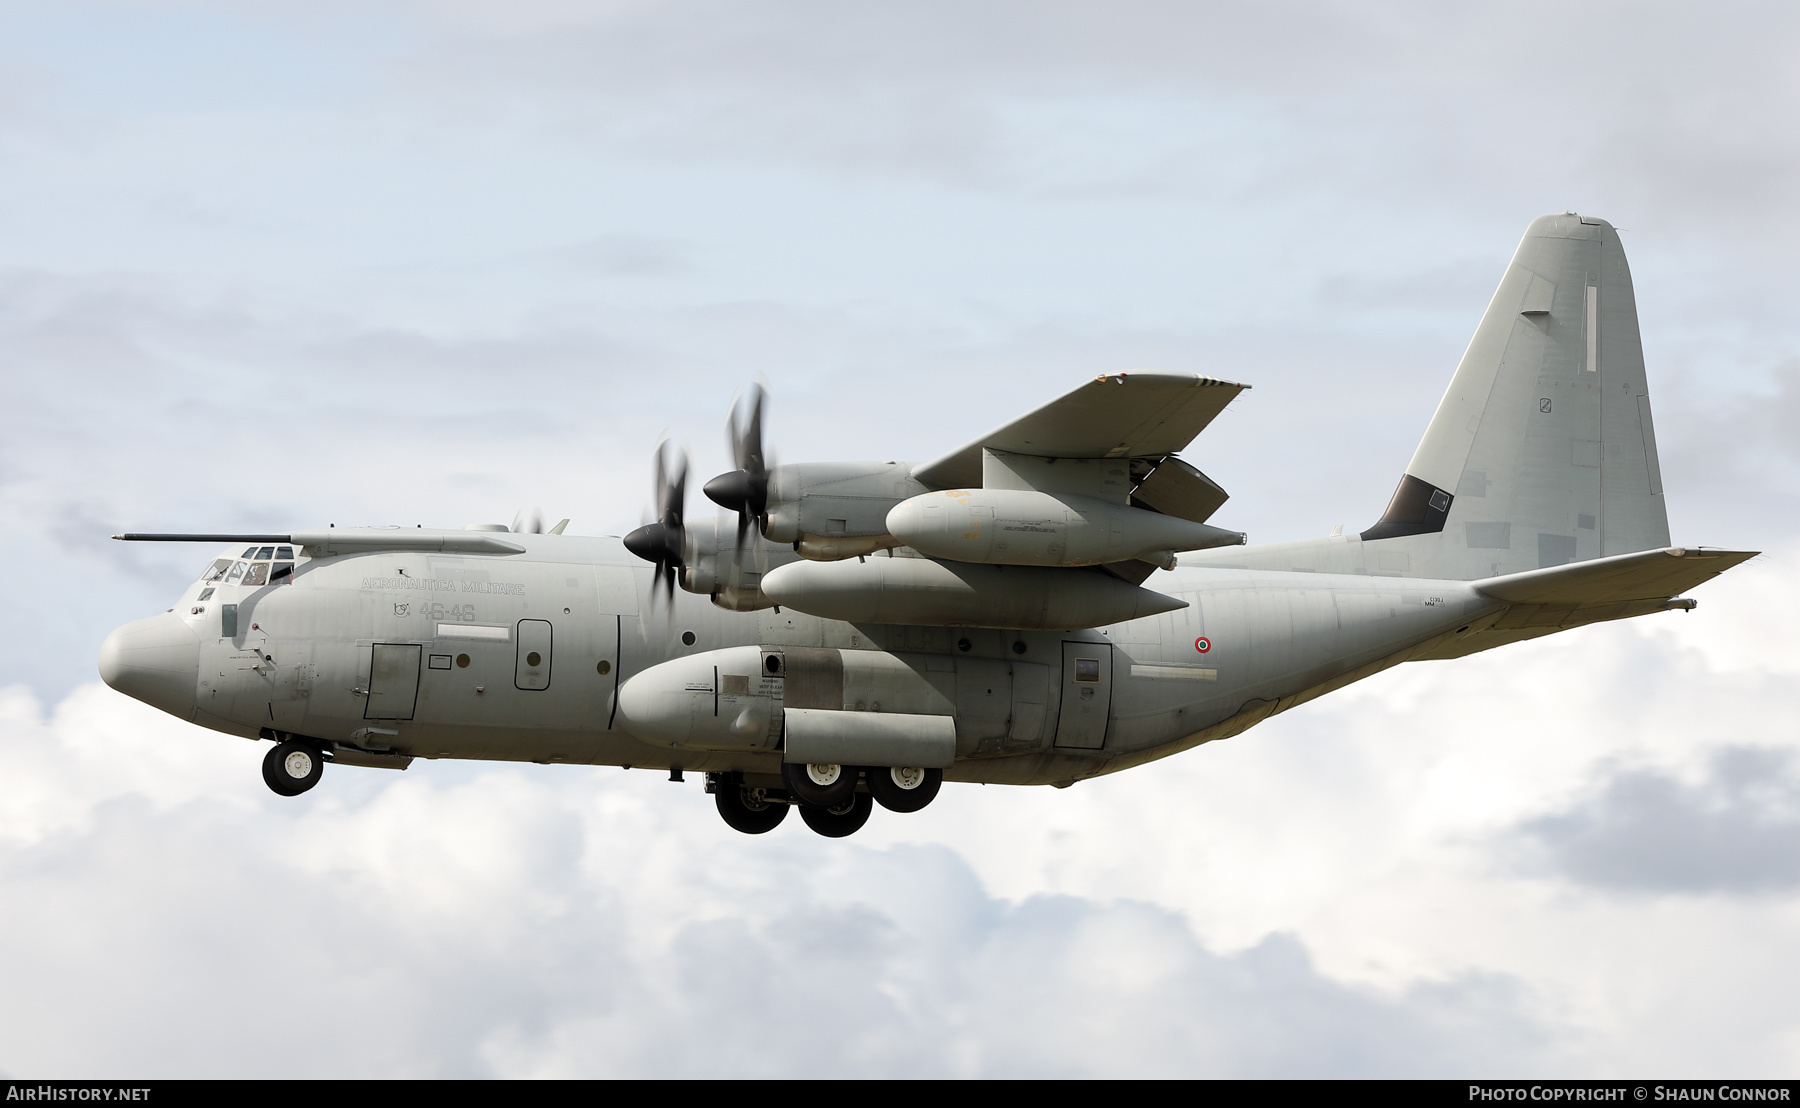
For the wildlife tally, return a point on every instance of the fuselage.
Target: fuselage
(522, 657)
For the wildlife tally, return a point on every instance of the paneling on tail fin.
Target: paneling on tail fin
(1542, 450)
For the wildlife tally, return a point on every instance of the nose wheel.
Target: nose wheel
(293, 767)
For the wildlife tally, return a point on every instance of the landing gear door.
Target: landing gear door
(393, 681)
(1086, 695)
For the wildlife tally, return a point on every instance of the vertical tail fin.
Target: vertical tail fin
(1542, 450)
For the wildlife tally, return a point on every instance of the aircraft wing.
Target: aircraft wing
(1644, 575)
(1119, 415)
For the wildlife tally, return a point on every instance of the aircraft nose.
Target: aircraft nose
(155, 660)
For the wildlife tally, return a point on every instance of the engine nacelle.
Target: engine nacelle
(836, 510)
(1029, 528)
(715, 565)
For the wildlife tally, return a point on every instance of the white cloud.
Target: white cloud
(596, 923)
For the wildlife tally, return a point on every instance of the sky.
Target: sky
(280, 266)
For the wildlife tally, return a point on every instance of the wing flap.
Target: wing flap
(1175, 488)
(1119, 415)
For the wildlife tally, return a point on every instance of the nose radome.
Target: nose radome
(155, 660)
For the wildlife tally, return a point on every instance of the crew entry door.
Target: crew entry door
(393, 681)
(1086, 695)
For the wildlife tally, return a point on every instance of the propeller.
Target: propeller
(745, 490)
(529, 521)
(661, 542)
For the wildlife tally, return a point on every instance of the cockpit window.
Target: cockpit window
(254, 568)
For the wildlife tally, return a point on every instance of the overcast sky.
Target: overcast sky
(437, 263)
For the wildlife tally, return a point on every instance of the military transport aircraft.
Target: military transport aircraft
(862, 632)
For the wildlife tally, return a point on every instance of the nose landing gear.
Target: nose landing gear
(293, 767)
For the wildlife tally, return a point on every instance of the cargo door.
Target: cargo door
(1086, 695)
(393, 681)
(532, 669)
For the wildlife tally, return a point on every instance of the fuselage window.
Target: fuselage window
(1087, 669)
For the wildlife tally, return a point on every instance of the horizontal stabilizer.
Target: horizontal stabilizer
(1120, 415)
(1645, 575)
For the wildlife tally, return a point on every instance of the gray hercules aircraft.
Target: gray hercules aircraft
(862, 632)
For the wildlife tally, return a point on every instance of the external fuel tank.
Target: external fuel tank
(1024, 527)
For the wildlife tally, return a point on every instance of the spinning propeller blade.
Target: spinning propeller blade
(745, 490)
(662, 542)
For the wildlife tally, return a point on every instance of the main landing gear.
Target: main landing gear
(835, 801)
(293, 767)
(752, 811)
(904, 788)
(844, 819)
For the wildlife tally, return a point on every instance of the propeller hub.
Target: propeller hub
(730, 490)
(656, 542)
